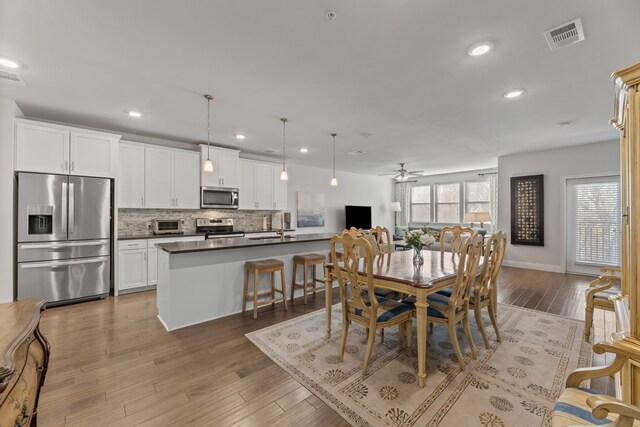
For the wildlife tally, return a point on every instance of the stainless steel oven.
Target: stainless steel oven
(219, 198)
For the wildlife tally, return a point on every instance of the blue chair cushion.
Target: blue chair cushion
(387, 308)
(431, 299)
(447, 292)
(571, 409)
(606, 293)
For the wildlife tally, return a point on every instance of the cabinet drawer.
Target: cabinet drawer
(124, 245)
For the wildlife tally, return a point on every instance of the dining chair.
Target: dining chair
(363, 306)
(455, 238)
(485, 290)
(454, 308)
(355, 232)
(598, 293)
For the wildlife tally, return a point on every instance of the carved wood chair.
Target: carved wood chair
(598, 293)
(363, 306)
(578, 406)
(458, 235)
(454, 308)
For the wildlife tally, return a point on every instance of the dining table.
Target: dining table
(398, 272)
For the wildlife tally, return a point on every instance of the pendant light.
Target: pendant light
(334, 180)
(284, 176)
(208, 164)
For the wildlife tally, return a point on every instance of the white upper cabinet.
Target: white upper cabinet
(158, 178)
(246, 185)
(186, 177)
(264, 186)
(49, 148)
(93, 154)
(279, 191)
(225, 167)
(130, 175)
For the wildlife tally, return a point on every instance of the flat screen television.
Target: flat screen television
(358, 217)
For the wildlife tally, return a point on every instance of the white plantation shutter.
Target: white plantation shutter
(597, 223)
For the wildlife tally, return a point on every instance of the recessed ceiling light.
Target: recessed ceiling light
(356, 152)
(514, 93)
(270, 150)
(135, 114)
(240, 136)
(480, 48)
(9, 63)
(304, 150)
(365, 135)
(565, 124)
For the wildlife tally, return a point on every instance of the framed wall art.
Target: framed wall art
(527, 210)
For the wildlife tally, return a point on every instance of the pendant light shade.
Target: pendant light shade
(207, 166)
(334, 180)
(284, 176)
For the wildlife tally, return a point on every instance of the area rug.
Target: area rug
(513, 383)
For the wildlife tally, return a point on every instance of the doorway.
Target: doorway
(592, 224)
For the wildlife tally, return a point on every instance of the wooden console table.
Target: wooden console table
(24, 357)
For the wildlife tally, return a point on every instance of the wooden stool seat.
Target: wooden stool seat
(307, 260)
(263, 266)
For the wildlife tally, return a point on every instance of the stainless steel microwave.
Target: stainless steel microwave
(219, 198)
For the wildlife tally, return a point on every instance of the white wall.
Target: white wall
(352, 189)
(8, 111)
(555, 165)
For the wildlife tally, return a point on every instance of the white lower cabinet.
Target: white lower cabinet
(138, 261)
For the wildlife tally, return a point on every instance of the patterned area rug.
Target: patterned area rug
(514, 383)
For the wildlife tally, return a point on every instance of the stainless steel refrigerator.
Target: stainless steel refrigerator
(63, 237)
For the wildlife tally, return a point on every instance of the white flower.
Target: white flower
(427, 240)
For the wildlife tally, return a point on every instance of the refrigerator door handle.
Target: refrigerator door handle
(64, 207)
(72, 209)
(57, 245)
(62, 263)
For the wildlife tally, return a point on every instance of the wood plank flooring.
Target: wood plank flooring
(112, 362)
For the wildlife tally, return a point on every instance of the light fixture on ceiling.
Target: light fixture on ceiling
(514, 93)
(356, 152)
(334, 180)
(284, 176)
(240, 136)
(304, 150)
(135, 114)
(9, 63)
(479, 49)
(565, 124)
(207, 166)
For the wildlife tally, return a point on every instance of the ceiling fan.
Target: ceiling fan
(402, 174)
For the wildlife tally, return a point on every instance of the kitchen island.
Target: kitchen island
(202, 280)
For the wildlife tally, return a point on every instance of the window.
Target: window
(448, 203)
(477, 196)
(421, 204)
(597, 224)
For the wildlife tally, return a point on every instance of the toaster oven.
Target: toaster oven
(167, 226)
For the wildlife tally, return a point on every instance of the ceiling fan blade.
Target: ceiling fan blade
(390, 173)
(415, 172)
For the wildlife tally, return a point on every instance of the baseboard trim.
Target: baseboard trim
(533, 266)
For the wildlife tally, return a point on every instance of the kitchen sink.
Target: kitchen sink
(272, 238)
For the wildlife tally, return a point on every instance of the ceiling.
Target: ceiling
(392, 78)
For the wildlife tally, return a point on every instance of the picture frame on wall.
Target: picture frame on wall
(527, 210)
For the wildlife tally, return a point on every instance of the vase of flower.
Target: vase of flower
(419, 239)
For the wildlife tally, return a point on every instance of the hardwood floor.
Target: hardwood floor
(112, 362)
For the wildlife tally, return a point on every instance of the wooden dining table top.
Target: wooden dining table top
(437, 267)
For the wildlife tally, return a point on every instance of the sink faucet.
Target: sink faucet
(281, 231)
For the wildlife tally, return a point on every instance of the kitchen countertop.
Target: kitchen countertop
(239, 242)
(161, 236)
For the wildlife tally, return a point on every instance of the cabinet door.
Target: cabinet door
(93, 154)
(228, 164)
(152, 267)
(41, 148)
(158, 178)
(279, 191)
(264, 186)
(246, 185)
(186, 187)
(132, 266)
(130, 176)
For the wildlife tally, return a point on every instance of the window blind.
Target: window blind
(598, 223)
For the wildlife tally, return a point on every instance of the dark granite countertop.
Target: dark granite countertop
(240, 242)
(161, 236)
(273, 230)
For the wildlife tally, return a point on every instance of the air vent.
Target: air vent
(11, 77)
(565, 34)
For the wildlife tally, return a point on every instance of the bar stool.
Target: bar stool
(263, 266)
(309, 260)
